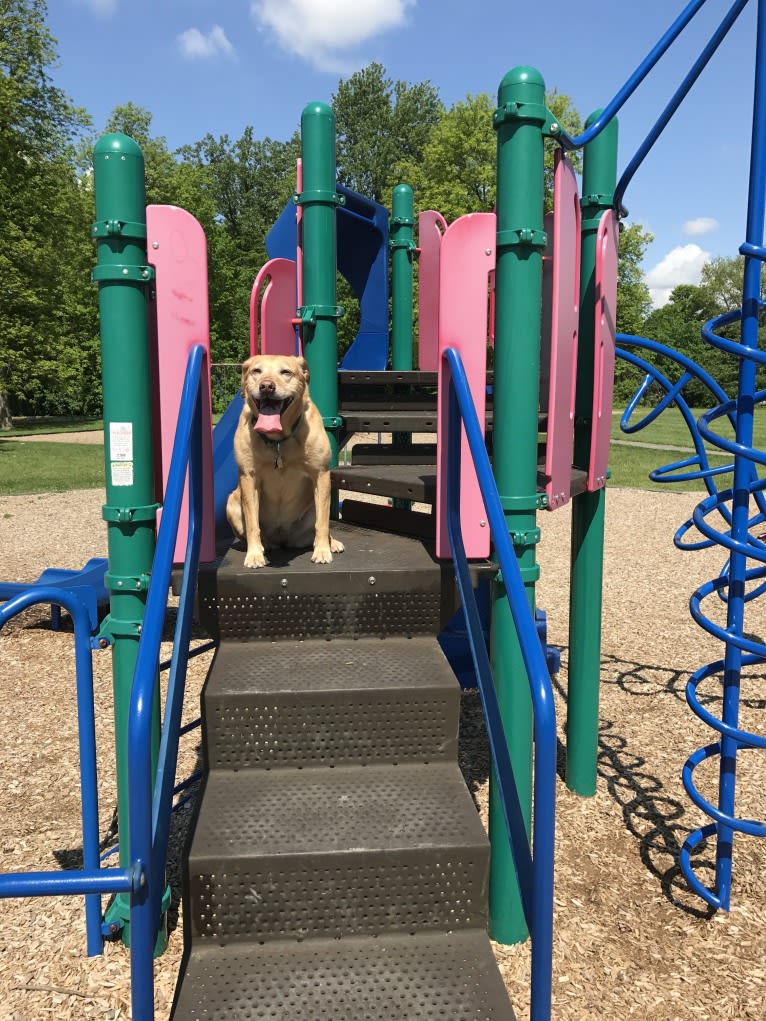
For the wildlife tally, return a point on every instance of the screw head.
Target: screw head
(371, 579)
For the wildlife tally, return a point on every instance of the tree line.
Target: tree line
(387, 132)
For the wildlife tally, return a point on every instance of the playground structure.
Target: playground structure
(527, 257)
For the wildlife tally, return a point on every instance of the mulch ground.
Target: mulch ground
(630, 939)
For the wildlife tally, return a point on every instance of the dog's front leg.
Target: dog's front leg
(250, 495)
(324, 544)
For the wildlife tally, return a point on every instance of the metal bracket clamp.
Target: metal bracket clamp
(130, 515)
(401, 221)
(111, 629)
(126, 583)
(308, 314)
(524, 536)
(537, 501)
(332, 421)
(128, 229)
(600, 202)
(395, 243)
(118, 271)
(528, 574)
(319, 195)
(526, 237)
(534, 112)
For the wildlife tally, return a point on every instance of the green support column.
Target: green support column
(587, 555)
(122, 275)
(319, 313)
(519, 122)
(402, 246)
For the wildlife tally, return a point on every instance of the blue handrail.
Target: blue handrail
(92, 880)
(535, 874)
(150, 802)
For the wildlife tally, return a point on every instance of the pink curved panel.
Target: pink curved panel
(467, 260)
(273, 309)
(607, 241)
(431, 228)
(178, 251)
(559, 369)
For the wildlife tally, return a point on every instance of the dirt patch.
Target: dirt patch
(630, 940)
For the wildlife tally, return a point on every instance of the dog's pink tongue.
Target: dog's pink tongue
(268, 422)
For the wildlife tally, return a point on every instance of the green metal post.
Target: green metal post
(588, 509)
(519, 122)
(122, 275)
(319, 312)
(402, 246)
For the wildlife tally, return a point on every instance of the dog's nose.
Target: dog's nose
(267, 386)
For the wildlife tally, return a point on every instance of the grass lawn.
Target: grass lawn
(44, 467)
(54, 424)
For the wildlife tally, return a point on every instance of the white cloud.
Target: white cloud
(321, 32)
(701, 226)
(682, 265)
(195, 45)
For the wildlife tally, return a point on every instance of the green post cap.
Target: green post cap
(119, 144)
(521, 75)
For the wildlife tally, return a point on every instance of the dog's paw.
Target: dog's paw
(255, 558)
(336, 546)
(321, 555)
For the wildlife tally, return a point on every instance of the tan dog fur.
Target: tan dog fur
(283, 494)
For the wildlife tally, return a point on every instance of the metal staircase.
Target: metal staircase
(338, 867)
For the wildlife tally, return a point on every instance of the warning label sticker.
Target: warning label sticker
(122, 473)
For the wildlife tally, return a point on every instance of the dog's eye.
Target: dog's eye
(256, 371)
(286, 373)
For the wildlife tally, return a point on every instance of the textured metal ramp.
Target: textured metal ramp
(449, 977)
(366, 703)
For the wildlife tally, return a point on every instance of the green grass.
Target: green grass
(670, 428)
(53, 424)
(32, 467)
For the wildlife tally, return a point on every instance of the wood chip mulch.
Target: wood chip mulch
(631, 941)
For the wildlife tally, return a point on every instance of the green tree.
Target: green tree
(237, 189)
(379, 123)
(46, 316)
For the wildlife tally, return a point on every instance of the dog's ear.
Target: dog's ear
(303, 365)
(243, 375)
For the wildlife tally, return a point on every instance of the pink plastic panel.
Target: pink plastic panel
(431, 228)
(564, 238)
(467, 259)
(273, 308)
(178, 252)
(603, 368)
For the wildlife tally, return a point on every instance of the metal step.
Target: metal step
(336, 853)
(452, 977)
(382, 584)
(405, 481)
(316, 704)
(393, 453)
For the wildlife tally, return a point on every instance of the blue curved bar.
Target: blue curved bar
(535, 875)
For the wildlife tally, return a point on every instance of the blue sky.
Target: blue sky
(217, 66)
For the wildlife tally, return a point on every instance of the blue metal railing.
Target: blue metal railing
(149, 801)
(93, 880)
(535, 873)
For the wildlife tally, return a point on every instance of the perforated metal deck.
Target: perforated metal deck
(436, 978)
(382, 584)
